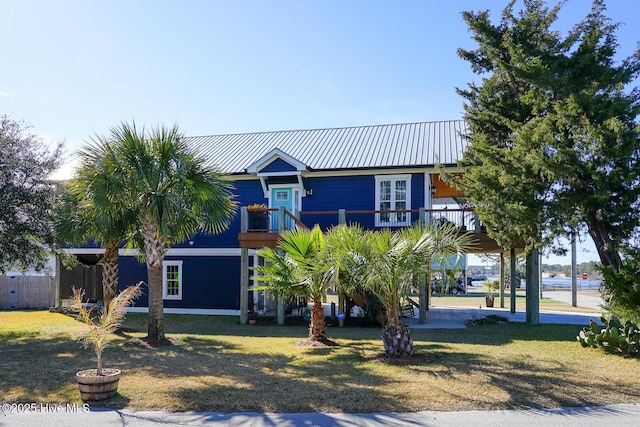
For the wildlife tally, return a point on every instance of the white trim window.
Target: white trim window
(393, 193)
(172, 280)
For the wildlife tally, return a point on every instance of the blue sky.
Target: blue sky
(76, 68)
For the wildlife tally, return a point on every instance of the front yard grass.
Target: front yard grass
(218, 365)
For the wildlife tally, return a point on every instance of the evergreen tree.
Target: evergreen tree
(552, 130)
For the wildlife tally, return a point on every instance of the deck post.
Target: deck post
(502, 279)
(244, 269)
(281, 228)
(422, 216)
(342, 216)
(422, 300)
(244, 285)
(533, 287)
(244, 219)
(282, 219)
(574, 272)
(514, 278)
(429, 191)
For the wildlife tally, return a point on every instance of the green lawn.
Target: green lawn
(218, 365)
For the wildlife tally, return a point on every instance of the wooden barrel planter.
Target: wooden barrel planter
(94, 387)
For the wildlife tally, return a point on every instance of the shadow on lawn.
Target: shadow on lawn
(310, 380)
(531, 387)
(499, 334)
(209, 369)
(42, 369)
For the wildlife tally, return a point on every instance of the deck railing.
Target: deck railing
(463, 218)
(275, 220)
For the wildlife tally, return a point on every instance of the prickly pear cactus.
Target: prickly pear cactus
(613, 337)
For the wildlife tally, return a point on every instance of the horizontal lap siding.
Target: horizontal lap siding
(333, 193)
(278, 165)
(207, 282)
(247, 193)
(351, 193)
(417, 193)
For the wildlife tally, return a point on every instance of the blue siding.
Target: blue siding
(247, 193)
(329, 194)
(417, 192)
(351, 193)
(207, 282)
(214, 282)
(278, 165)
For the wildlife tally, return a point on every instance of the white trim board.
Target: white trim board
(201, 311)
(359, 172)
(170, 252)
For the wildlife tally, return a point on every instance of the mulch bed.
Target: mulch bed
(147, 343)
(350, 322)
(326, 342)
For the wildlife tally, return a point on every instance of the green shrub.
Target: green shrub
(622, 287)
(613, 337)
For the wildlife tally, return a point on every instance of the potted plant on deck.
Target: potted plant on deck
(257, 216)
(100, 383)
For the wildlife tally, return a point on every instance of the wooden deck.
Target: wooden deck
(258, 239)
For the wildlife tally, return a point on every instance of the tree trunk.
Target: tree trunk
(317, 326)
(99, 362)
(155, 326)
(608, 252)
(109, 263)
(397, 340)
(154, 251)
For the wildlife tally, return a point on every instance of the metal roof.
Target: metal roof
(361, 147)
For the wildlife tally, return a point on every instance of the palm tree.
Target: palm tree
(296, 269)
(93, 210)
(388, 263)
(174, 195)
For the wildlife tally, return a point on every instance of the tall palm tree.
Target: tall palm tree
(98, 211)
(174, 195)
(87, 208)
(388, 263)
(296, 269)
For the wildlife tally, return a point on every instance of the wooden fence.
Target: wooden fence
(27, 292)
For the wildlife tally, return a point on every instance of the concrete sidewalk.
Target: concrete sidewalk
(623, 414)
(455, 318)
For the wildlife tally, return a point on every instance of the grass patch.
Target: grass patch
(216, 364)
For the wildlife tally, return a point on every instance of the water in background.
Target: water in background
(553, 282)
(558, 283)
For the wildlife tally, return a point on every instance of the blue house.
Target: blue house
(378, 176)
